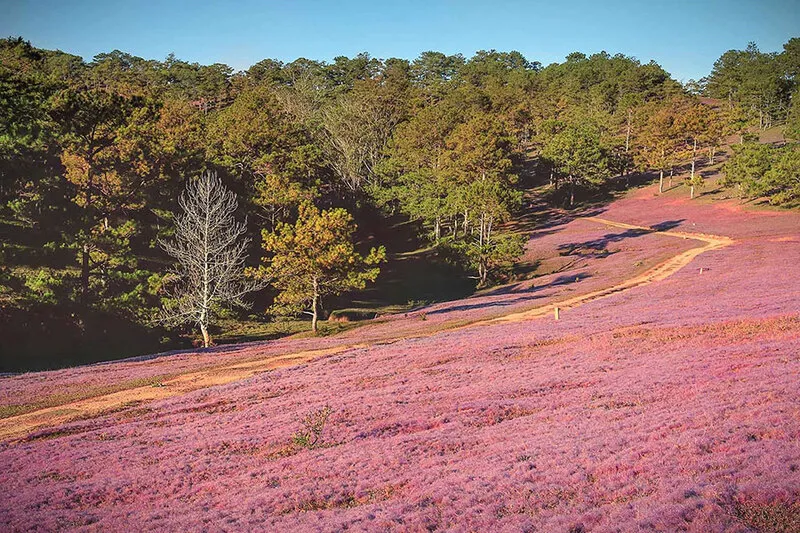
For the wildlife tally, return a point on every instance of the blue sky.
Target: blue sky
(683, 36)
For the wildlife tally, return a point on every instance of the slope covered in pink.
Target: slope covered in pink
(672, 406)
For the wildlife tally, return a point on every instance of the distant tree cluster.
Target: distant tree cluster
(93, 156)
(763, 170)
(761, 89)
(757, 86)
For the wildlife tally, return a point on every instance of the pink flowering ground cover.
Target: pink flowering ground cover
(674, 406)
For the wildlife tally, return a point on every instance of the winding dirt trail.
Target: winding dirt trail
(19, 426)
(657, 273)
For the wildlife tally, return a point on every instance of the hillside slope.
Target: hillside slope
(665, 405)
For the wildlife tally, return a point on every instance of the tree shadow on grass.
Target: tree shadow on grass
(524, 294)
(540, 218)
(598, 248)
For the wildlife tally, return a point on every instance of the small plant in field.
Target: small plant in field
(310, 436)
(411, 304)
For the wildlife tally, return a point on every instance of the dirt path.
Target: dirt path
(21, 425)
(657, 273)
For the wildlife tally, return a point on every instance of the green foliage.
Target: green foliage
(455, 174)
(313, 426)
(45, 286)
(759, 170)
(755, 81)
(695, 183)
(416, 177)
(92, 156)
(578, 156)
(502, 252)
(782, 180)
(314, 258)
(746, 168)
(494, 259)
(253, 134)
(792, 129)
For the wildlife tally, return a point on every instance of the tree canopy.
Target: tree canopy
(93, 155)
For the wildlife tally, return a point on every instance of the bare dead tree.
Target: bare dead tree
(210, 252)
(355, 131)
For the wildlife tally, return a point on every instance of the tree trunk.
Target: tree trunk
(628, 133)
(480, 235)
(691, 192)
(204, 328)
(314, 305)
(661, 181)
(571, 192)
(694, 157)
(206, 336)
(671, 172)
(85, 249)
(85, 273)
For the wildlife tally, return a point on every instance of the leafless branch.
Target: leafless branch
(210, 250)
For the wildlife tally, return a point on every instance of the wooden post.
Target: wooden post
(556, 313)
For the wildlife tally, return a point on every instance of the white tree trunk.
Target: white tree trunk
(628, 133)
(206, 336)
(314, 306)
(571, 191)
(210, 251)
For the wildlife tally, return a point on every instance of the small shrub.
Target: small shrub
(413, 304)
(351, 315)
(310, 436)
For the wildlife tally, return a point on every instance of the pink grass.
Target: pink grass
(674, 406)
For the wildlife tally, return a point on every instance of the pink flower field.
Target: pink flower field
(672, 406)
